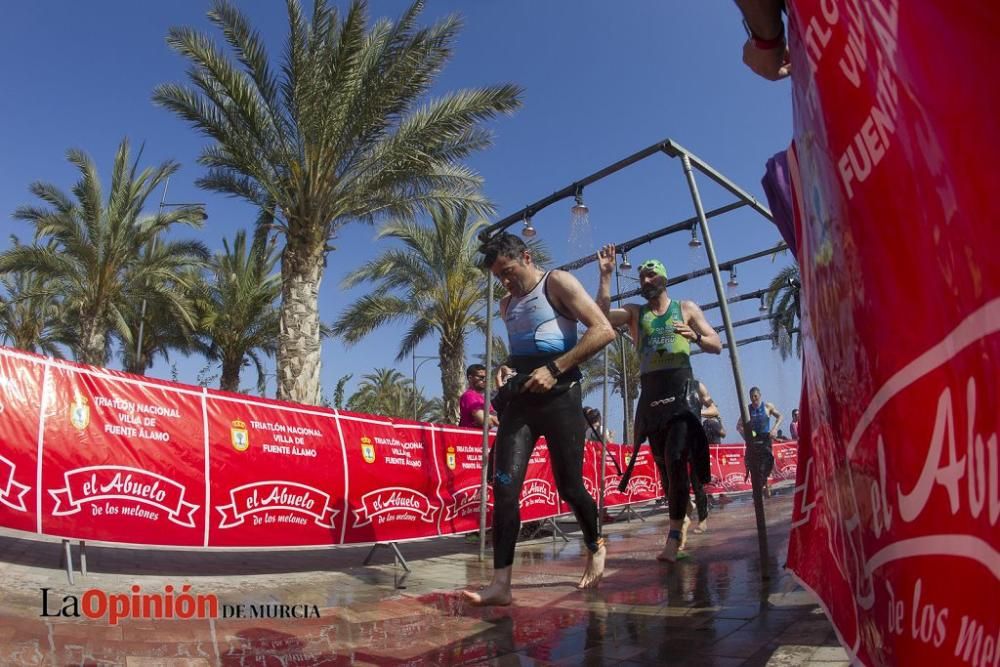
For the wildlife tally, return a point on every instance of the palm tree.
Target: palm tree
(335, 136)
(89, 250)
(30, 313)
(783, 306)
(620, 377)
(435, 282)
(238, 320)
(386, 392)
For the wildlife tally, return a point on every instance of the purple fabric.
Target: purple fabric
(778, 189)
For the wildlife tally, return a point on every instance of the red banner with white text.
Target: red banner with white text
(894, 168)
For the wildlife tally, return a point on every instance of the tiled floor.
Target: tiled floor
(711, 608)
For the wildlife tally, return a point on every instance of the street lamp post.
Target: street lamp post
(416, 367)
(152, 249)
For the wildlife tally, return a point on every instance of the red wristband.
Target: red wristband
(765, 44)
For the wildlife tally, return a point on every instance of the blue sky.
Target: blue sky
(602, 80)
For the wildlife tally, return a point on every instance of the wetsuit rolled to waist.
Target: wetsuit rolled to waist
(524, 365)
(668, 396)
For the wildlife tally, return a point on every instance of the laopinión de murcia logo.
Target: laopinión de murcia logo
(170, 603)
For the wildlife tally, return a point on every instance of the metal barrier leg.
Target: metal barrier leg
(556, 530)
(83, 558)
(395, 550)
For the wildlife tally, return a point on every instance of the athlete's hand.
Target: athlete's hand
(606, 259)
(686, 331)
(540, 381)
(503, 374)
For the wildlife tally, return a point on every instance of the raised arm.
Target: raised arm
(606, 263)
(571, 299)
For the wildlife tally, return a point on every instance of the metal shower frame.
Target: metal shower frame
(689, 162)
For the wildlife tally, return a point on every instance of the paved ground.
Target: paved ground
(711, 608)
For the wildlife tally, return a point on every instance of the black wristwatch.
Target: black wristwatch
(698, 339)
(551, 365)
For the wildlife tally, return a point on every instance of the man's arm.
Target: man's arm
(571, 299)
(695, 324)
(606, 264)
(477, 415)
(766, 50)
(708, 407)
(773, 411)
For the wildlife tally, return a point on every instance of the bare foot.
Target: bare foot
(595, 567)
(494, 595)
(684, 531)
(669, 553)
(701, 527)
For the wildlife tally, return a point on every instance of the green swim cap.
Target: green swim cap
(654, 266)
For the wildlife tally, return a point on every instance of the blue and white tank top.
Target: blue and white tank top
(760, 421)
(535, 328)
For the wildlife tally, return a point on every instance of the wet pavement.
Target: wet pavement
(710, 608)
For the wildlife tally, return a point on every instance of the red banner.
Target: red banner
(393, 487)
(277, 474)
(460, 462)
(21, 380)
(898, 492)
(122, 458)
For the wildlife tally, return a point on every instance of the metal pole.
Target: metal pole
(413, 357)
(625, 396)
(604, 441)
(152, 248)
(734, 359)
(486, 415)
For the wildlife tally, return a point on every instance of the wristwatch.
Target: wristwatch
(553, 369)
(698, 339)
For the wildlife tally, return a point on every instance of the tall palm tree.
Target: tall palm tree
(435, 282)
(783, 305)
(238, 320)
(385, 392)
(335, 136)
(89, 250)
(30, 313)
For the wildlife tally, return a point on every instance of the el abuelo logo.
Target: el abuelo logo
(465, 501)
(298, 502)
(95, 483)
(239, 435)
(537, 492)
(394, 503)
(367, 449)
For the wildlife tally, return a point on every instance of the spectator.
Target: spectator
(472, 404)
(793, 428)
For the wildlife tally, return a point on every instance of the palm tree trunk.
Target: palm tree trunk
(230, 380)
(298, 357)
(452, 354)
(92, 342)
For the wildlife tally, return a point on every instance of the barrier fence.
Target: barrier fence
(93, 454)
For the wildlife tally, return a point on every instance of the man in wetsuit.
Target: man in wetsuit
(663, 330)
(714, 432)
(541, 313)
(762, 433)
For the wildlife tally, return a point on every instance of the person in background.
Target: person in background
(793, 427)
(472, 403)
(710, 420)
(762, 432)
